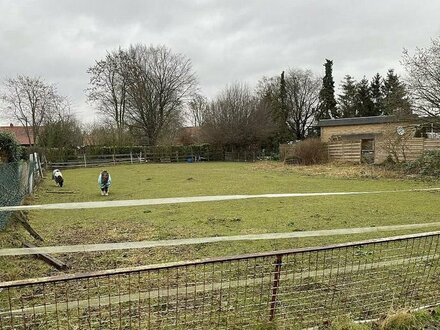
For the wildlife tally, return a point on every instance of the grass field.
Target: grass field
(65, 227)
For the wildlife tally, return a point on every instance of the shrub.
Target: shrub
(426, 165)
(9, 147)
(69, 154)
(310, 151)
(402, 320)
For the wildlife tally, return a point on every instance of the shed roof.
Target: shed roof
(356, 121)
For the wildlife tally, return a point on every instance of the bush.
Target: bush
(345, 323)
(69, 154)
(9, 147)
(403, 320)
(426, 165)
(310, 152)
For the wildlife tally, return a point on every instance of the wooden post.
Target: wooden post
(22, 218)
(31, 174)
(114, 160)
(45, 161)
(275, 286)
(40, 169)
(38, 165)
(36, 162)
(58, 264)
(131, 157)
(85, 161)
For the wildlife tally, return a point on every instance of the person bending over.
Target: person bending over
(104, 181)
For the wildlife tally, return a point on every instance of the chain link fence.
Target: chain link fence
(16, 181)
(291, 289)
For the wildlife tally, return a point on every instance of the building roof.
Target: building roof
(356, 121)
(20, 133)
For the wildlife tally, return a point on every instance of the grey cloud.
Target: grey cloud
(227, 41)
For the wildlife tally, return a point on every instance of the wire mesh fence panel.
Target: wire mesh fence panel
(291, 289)
(364, 281)
(15, 179)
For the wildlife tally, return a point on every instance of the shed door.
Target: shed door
(367, 151)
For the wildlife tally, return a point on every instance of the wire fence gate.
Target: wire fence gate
(292, 289)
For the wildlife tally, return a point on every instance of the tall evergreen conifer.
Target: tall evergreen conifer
(376, 87)
(396, 100)
(327, 102)
(347, 100)
(363, 103)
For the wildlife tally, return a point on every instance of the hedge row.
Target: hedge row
(69, 154)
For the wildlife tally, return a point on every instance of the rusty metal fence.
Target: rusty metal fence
(291, 289)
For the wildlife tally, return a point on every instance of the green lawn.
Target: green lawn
(254, 216)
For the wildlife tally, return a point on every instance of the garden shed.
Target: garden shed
(373, 139)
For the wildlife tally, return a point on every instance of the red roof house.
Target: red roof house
(20, 134)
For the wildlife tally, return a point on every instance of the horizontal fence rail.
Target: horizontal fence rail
(205, 240)
(292, 289)
(193, 199)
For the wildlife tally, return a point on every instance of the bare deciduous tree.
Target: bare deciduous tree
(108, 89)
(197, 108)
(159, 82)
(395, 141)
(423, 70)
(31, 101)
(61, 128)
(302, 98)
(236, 117)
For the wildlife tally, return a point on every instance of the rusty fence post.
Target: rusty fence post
(275, 286)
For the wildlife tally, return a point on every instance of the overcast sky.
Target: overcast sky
(227, 40)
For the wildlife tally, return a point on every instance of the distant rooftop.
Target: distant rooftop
(19, 132)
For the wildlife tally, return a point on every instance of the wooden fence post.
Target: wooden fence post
(38, 163)
(85, 161)
(31, 174)
(275, 286)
